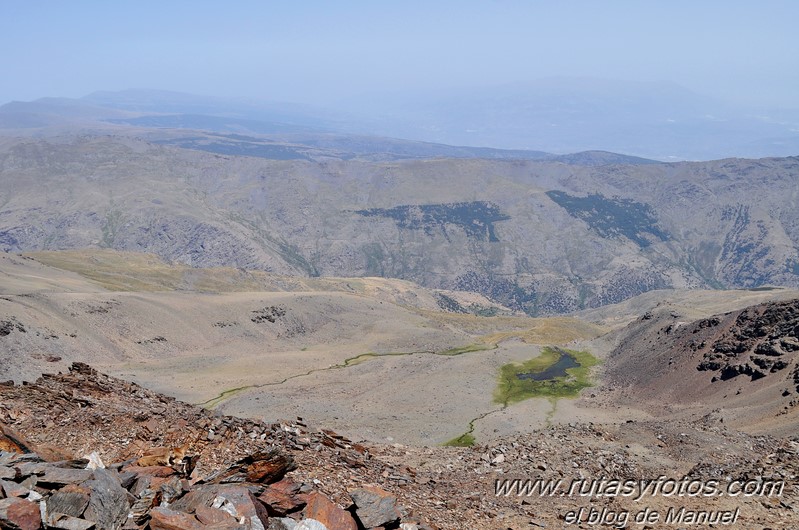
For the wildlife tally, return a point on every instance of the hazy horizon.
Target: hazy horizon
(330, 54)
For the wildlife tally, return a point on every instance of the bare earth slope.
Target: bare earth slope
(374, 358)
(178, 334)
(740, 368)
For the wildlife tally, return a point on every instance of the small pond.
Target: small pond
(558, 369)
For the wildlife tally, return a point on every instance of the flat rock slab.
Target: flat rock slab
(282, 523)
(374, 506)
(12, 489)
(199, 496)
(239, 502)
(10, 458)
(269, 467)
(215, 518)
(57, 476)
(67, 522)
(265, 467)
(310, 524)
(8, 473)
(108, 501)
(153, 471)
(283, 497)
(71, 503)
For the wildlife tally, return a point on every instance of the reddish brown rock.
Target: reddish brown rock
(12, 441)
(19, 513)
(76, 488)
(242, 504)
(51, 453)
(153, 471)
(166, 519)
(283, 497)
(215, 518)
(269, 467)
(263, 467)
(328, 513)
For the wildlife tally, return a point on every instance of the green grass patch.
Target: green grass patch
(464, 440)
(358, 359)
(227, 394)
(512, 389)
(468, 349)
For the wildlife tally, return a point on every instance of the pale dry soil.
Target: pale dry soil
(364, 357)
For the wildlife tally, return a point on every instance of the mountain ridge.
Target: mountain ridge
(618, 231)
(227, 134)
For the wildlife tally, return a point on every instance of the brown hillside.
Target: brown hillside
(741, 367)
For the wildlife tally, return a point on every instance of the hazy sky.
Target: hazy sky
(321, 51)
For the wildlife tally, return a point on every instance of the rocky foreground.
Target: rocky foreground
(175, 466)
(83, 450)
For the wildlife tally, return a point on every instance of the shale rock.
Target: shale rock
(374, 506)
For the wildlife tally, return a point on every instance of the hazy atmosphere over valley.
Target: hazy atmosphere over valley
(416, 266)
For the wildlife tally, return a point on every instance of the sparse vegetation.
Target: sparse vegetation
(476, 218)
(469, 348)
(512, 388)
(111, 226)
(269, 314)
(505, 291)
(613, 218)
(234, 145)
(374, 259)
(447, 303)
(134, 271)
(464, 440)
(117, 271)
(481, 311)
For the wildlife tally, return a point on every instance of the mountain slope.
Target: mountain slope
(237, 340)
(542, 237)
(740, 368)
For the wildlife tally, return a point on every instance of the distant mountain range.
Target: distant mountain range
(240, 128)
(660, 121)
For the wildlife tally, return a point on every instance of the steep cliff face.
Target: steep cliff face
(537, 236)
